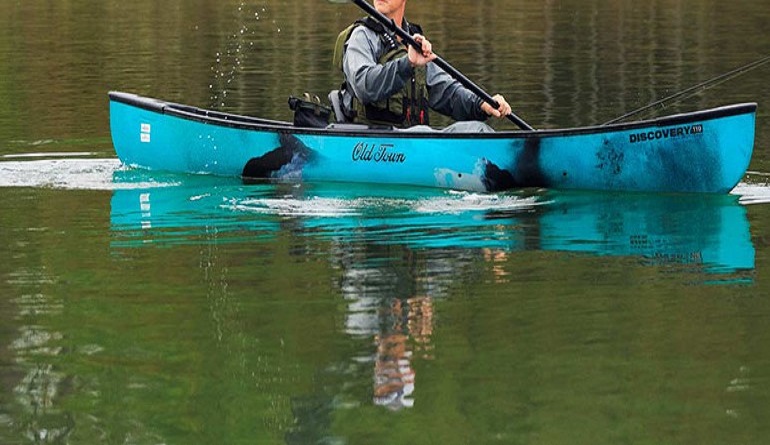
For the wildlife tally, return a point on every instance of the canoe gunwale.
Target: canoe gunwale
(260, 124)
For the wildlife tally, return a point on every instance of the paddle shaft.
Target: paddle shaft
(391, 25)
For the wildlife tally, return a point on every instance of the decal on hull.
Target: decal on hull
(284, 162)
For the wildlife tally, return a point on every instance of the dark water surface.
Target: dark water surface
(147, 308)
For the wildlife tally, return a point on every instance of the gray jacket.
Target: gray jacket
(371, 82)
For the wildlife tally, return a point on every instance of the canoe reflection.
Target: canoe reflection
(710, 231)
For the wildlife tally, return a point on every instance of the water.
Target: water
(152, 308)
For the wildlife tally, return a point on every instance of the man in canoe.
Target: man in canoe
(388, 84)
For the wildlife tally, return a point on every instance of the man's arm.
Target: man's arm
(449, 97)
(370, 81)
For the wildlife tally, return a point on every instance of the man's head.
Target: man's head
(393, 9)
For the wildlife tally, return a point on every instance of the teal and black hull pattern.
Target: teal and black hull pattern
(705, 151)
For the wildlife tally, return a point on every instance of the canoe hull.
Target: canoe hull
(707, 151)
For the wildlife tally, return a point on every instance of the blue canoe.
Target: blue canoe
(705, 151)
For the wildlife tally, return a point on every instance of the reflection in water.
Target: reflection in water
(393, 305)
(398, 251)
(398, 256)
(711, 231)
(35, 350)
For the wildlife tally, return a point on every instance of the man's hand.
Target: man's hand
(501, 112)
(417, 58)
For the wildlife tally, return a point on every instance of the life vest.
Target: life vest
(405, 108)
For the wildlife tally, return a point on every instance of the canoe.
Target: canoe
(706, 151)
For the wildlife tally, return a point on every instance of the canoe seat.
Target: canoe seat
(335, 98)
(345, 126)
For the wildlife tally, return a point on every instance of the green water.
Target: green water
(145, 308)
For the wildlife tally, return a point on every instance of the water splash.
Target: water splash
(756, 190)
(449, 203)
(230, 62)
(459, 202)
(320, 207)
(66, 173)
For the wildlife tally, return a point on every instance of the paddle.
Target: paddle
(390, 24)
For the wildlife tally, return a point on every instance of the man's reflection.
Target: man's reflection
(409, 332)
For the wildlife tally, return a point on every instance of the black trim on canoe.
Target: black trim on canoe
(254, 123)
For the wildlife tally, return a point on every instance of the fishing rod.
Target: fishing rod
(693, 90)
